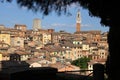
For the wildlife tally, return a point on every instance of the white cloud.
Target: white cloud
(86, 25)
(69, 25)
(74, 5)
(62, 25)
(24, 8)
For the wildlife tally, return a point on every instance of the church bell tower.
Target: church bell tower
(78, 21)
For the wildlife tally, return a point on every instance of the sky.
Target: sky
(11, 14)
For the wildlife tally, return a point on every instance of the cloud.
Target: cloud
(69, 25)
(62, 25)
(86, 25)
(24, 8)
(74, 5)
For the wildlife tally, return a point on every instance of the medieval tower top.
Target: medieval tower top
(36, 24)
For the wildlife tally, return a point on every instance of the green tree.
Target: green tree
(81, 62)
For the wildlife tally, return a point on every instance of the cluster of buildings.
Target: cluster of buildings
(47, 48)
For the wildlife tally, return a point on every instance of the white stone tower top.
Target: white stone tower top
(36, 24)
(78, 17)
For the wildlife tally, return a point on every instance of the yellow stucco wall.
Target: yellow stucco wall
(5, 38)
(0, 57)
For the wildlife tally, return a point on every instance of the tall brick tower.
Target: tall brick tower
(78, 21)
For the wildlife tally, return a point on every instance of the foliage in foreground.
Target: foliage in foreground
(81, 62)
